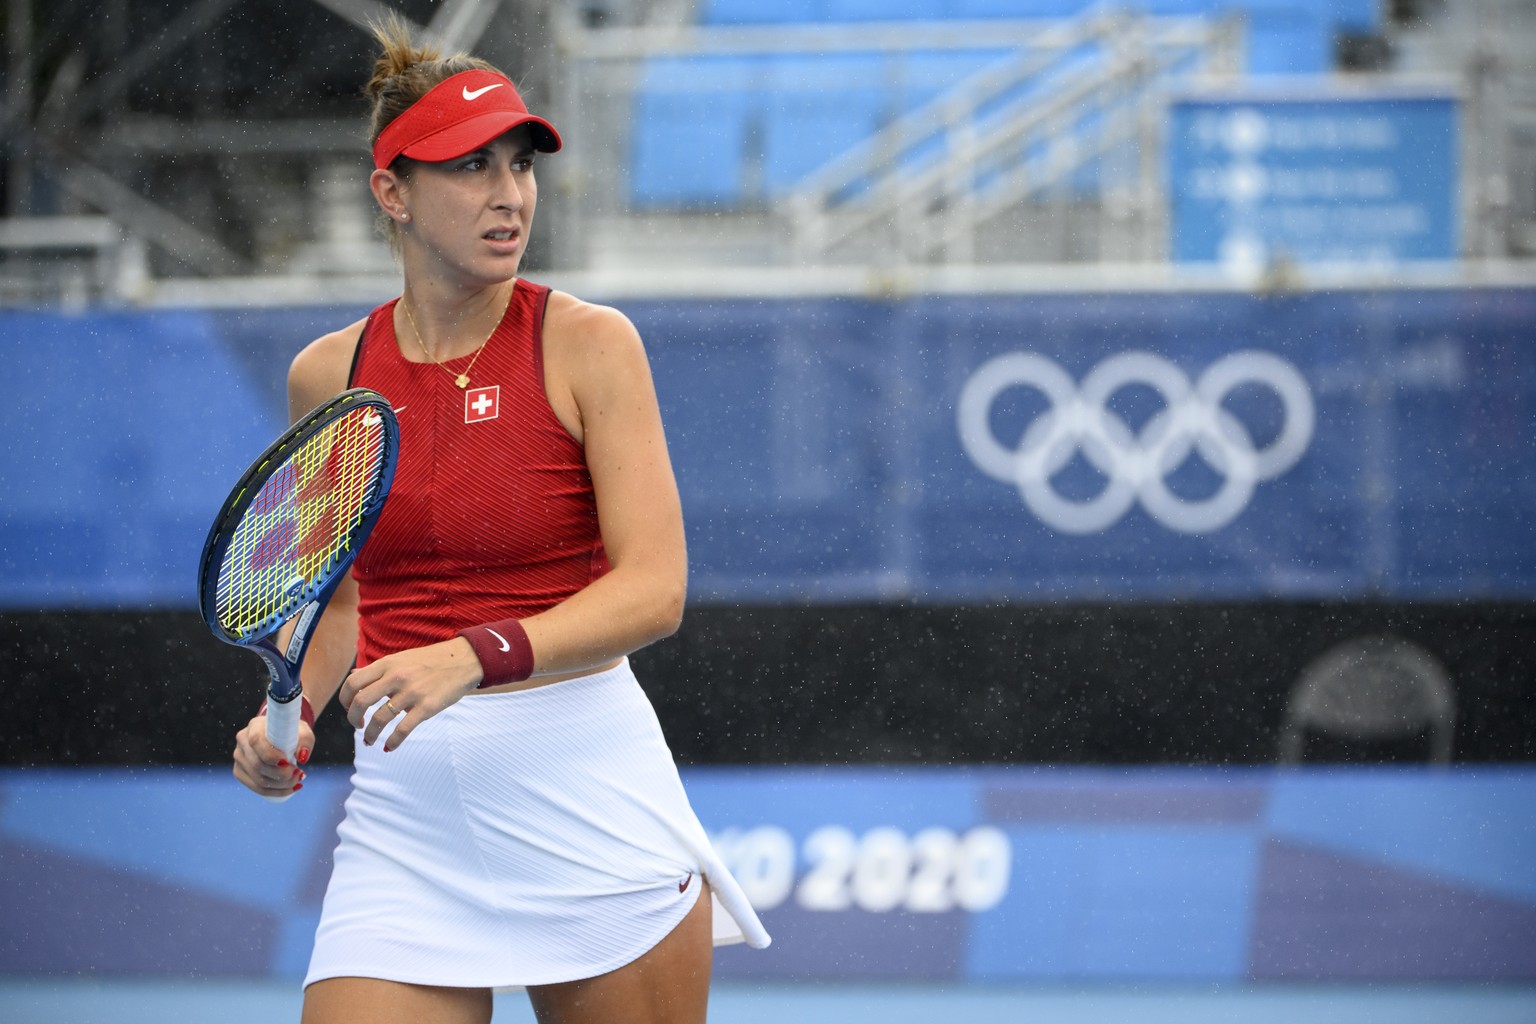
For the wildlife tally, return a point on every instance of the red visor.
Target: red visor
(459, 115)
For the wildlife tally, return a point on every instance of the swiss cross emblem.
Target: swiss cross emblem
(482, 403)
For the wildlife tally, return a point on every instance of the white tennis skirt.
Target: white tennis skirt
(520, 839)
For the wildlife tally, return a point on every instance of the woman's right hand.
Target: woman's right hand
(263, 768)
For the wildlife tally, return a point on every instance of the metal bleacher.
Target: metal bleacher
(1041, 122)
(860, 141)
(708, 140)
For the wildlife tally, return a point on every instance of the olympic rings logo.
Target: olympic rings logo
(1135, 464)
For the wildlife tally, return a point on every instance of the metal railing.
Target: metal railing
(923, 186)
(1035, 158)
(1004, 139)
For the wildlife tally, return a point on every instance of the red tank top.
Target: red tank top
(492, 513)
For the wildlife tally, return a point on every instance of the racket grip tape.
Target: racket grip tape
(283, 728)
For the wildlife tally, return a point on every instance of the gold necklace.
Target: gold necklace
(462, 380)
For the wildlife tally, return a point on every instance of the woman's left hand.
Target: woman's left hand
(413, 685)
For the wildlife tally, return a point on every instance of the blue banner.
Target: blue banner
(1335, 445)
(1104, 447)
(895, 874)
(1257, 179)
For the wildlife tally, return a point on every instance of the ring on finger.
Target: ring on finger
(393, 710)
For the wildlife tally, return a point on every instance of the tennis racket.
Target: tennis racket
(288, 533)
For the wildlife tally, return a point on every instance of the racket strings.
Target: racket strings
(301, 522)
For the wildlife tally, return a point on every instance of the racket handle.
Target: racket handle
(283, 732)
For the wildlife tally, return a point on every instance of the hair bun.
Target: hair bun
(398, 54)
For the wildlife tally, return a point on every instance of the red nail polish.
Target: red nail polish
(283, 763)
(304, 756)
(298, 787)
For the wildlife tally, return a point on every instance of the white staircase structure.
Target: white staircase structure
(1049, 154)
(1084, 92)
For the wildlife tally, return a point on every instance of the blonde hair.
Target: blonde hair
(406, 71)
(403, 73)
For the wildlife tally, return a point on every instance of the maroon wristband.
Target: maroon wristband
(505, 654)
(306, 713)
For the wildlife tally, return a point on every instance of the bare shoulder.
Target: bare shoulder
(320, 369)
(594, 362)
(577, 330)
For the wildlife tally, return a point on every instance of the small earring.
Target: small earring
(405, 216)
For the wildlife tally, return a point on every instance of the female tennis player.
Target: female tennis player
(516, 819)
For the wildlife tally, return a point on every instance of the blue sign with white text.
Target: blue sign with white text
(1005, 875)
(1257, 180)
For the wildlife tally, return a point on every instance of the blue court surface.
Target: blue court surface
(132, 1002)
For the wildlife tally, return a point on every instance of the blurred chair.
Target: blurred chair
(1372, 689)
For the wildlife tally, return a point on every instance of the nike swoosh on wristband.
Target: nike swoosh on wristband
(504, 645)
(473, 95)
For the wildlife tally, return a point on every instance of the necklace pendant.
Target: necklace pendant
(462, 380)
